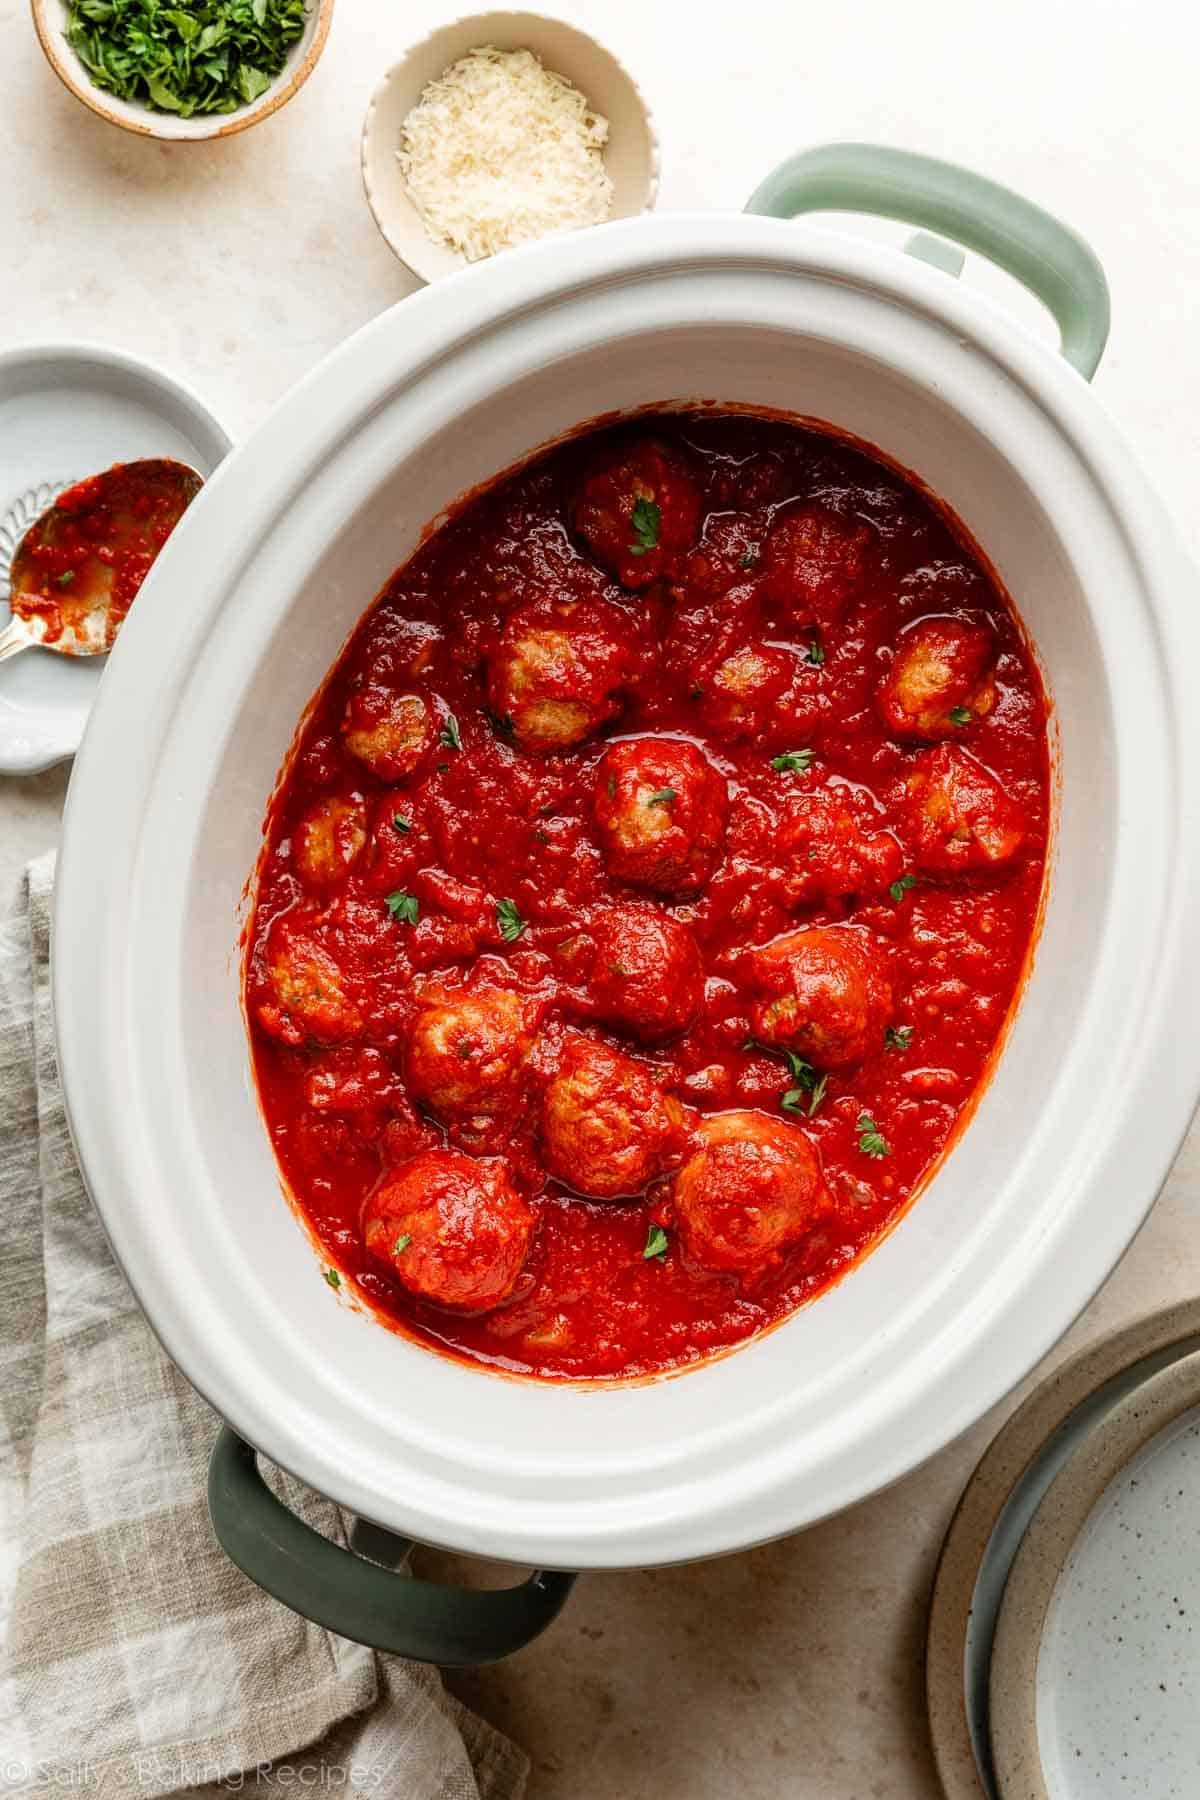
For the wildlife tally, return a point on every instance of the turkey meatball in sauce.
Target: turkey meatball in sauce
(646, 895)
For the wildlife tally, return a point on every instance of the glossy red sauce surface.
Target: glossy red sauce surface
(92, 550)
(484, 831)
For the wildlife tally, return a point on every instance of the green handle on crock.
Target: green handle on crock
(1047, 256)
(456, 1627)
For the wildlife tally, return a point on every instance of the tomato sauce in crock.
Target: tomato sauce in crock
(646, 895)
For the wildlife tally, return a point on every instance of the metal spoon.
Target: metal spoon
(76, 571)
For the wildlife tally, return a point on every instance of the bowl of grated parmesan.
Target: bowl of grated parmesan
(498, 130)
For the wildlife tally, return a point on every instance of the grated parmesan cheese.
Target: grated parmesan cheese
(499, 150)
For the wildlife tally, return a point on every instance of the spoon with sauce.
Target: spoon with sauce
(78, 568)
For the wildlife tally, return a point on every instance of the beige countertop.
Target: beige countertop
(794, 1670)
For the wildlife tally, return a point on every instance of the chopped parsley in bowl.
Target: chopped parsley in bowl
(211, 57)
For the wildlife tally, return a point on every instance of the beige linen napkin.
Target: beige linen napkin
(138, 1660)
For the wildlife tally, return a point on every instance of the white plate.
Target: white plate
(1030, 1451)
(66, 411)
(1096, 1661)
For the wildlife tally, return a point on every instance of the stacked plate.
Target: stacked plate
(1064, 1636)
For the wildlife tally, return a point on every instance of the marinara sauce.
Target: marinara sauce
(646, 894)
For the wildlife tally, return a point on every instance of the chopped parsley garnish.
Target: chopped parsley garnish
(449, 733)
(443, 768)
(663, 797)
(747, 560)
(656, 1245)
(332, 1277)
(401, 1244)
(816, 654)
(871, 1140)
(809, 1091)
(960, 715)
(612, 787)
(401, 824)
(511, 924)
(793, 762)
(205, 56)
(646, 519)
(65, 579)
(540, 836)
(898, 1037)
(898, 889)
(403, 906)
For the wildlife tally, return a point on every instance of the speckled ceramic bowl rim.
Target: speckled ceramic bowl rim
(1002, 1467)
(398, 245)
(200, 129)
(1067, 1505)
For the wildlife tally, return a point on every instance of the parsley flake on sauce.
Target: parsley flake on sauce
(960, 715)
(871, 1140)
(816, 655)
(512, 925)
(402, 906)
(663, 797)
(332, 1277)
(65, 579)
(898, 889)
(449, 733)
(898, 1037)
(809, 1091)
(793, 762)
(205, 56)
(646, 519)
(400, 824)
(401, 1244)
(656, 1245)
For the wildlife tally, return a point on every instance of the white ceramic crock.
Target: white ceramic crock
(247, 608)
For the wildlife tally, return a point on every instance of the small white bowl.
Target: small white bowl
(50, 21)
(630, 156)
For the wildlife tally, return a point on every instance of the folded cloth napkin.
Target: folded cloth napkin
(138, 1660)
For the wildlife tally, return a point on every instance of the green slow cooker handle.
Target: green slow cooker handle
(456, 1627)
(1046, 256)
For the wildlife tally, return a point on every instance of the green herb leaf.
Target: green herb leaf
(65, 579)
(747, 559)
(898, 1037)
(816, 654)
(401, 1244)
(663, 797)
(960, 715)
(656, 1245)
(403, 907)
(333, 1278)
(898, 889)
(817, 1095)
(511, 924)
(871, 1140)
(401, 824)
(612, 787)
(795, 1100)
(202, 56)
(793, 762)
(809, 1091)
(646, 519)
(449, 733)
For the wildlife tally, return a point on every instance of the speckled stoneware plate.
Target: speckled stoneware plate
(1096, 1661)
(992, 1518)
(66, 411)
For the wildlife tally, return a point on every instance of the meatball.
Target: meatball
(959, 816)
(466, 1052)
(824, 992)
(389, 732)
(308, 999)
(645, 976)
(556, 673)
(452, 1229)
(942, 679)
(660, 809)
(815, 562)
(751, 1190)
(328, 839)
(831, 850)
(741, 692)
(637, 511)
(608, 1127)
